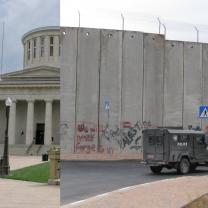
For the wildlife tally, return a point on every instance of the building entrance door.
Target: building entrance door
(40, 133)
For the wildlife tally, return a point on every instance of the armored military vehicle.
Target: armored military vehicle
(183, 150)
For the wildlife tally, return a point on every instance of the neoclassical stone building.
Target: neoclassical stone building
(34, 90)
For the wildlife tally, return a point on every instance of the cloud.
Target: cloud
(20, 16)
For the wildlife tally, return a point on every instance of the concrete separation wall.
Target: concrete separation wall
(68, 88)
(110, 81)
(192, 83)
(87, 92)
(153, 78)
(132, 77)
(146, 80)
(173, 83)
(205, 78)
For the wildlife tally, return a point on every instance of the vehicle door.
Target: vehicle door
(155, 150)
(200, 147)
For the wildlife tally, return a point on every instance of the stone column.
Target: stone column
(38, 49)
(56, 47)
(30, 122)
(48, 122)
(47, 48)
(12, 123)
(25, 54)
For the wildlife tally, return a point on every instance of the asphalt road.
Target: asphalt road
(81, 180)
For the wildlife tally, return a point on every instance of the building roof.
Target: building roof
(37, 76)
(180, 131)
(40, 29)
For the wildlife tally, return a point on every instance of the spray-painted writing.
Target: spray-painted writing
(85, 137)
(129, 136)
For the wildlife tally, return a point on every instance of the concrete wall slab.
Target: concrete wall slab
(68, 87)
(173, 83)
(153, 78)
(87, 94)
(192, 83)
(132, 77)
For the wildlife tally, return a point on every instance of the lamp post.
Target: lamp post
(4, 167)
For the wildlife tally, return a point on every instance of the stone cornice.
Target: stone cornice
(20, 73)
(41, 29)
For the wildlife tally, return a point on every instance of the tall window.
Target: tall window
(59, 46)
(34, 47)
(51, 45)
(42, 42)
(28, 50)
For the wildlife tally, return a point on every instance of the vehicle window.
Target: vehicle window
(183, 138)
(159, 140)
(200, 140)
(151, 140)
(175, 138)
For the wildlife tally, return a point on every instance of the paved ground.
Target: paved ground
(170, 193)
(20, 194)
(81, 180)
(17, 162)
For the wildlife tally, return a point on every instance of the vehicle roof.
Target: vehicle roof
(182, 131)
(177, 131)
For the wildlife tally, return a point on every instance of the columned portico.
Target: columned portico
(30, 122)
(12, 122)
(34, 119)
(48, 122)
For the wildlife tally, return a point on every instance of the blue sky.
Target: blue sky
(20, 16)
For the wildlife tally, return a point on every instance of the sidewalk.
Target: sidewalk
(17, 162)
(171, 193)
(21, 194)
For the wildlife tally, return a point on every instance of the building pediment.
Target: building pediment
(42, 72)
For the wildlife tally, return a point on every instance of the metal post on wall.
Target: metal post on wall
(158, 19)
(122, 17)
(197, 34)
(79, 17)
(165, 30)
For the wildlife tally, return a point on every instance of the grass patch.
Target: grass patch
(36, 173)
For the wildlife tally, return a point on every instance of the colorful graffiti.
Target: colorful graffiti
(128, 137)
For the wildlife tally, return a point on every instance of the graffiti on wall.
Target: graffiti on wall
(86, 136)
(129, 136)
(64, 128)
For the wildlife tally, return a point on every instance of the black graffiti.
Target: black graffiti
(131, 137)
(127, 137)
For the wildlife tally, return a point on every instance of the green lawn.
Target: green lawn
(36, 173)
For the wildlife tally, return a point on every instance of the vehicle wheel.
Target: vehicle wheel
(184, 166)
(156, 169)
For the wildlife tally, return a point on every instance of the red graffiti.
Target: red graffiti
(86, 137)
(108, 150)
(87, 149)
(126, 124)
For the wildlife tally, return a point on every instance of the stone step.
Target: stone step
(21, 149)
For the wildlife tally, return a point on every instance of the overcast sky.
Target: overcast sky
(20, 16)
(179, 16)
